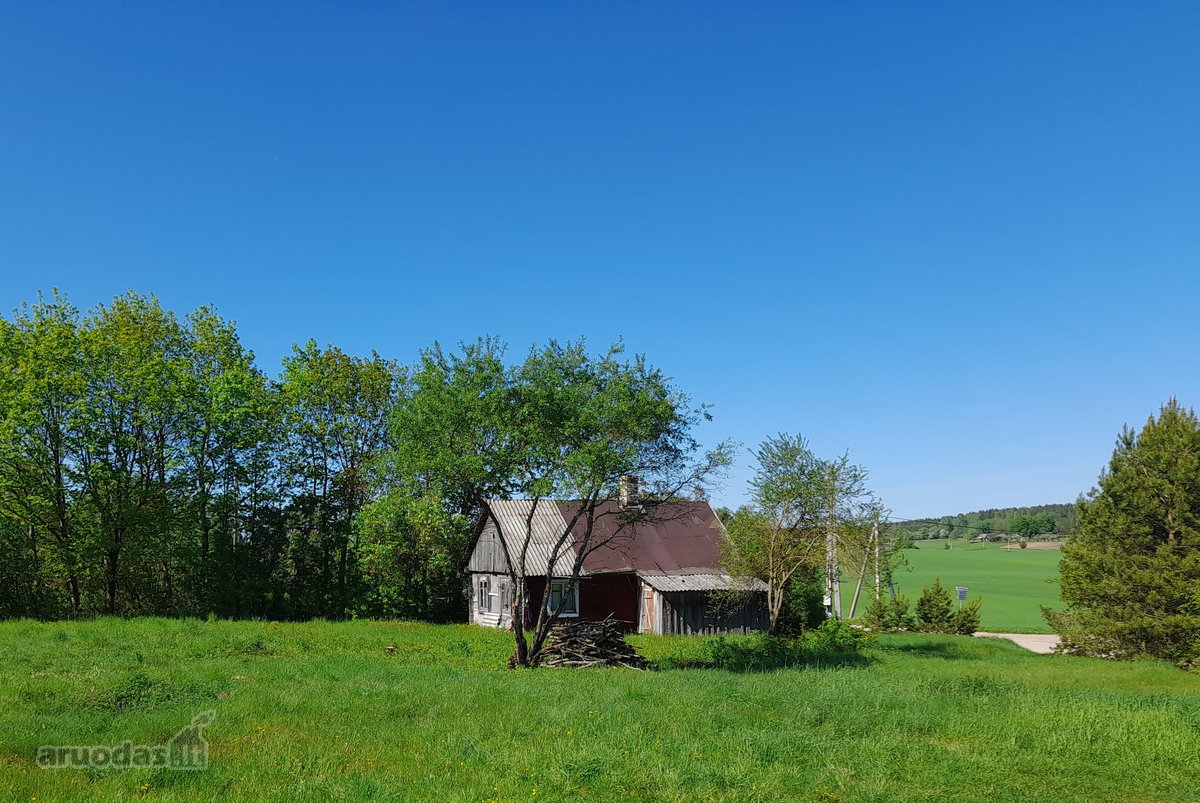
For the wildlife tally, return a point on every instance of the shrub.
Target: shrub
(889, 614)
(756, 653)
(966, 619)
(803, 607)
(834, 637)
(934, 609)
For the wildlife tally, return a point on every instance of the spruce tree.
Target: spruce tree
(1130, 574)
(935, 609)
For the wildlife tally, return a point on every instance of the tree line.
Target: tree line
(149, 466)
(1028, 522)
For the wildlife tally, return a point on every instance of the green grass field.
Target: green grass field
(320, 711)
(1014, 583)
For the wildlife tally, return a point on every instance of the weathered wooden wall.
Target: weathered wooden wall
(488, 555)
(689, 613)
(499, 615)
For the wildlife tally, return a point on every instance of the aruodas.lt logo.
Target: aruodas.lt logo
(186, 750)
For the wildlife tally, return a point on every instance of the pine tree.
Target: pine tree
(935, 609)
(966, 618)
(1130, 575)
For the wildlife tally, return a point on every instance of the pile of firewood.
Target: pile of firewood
(582, 643)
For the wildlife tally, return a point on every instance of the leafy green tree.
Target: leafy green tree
(229, 423)
(141, 466)
(133, 365)
(412, 554)
(806, 513)
(779, 536)
(561, 425)
(451, 447)
(1131, 572)
(41, 389)
(336, 409)
(583, 423)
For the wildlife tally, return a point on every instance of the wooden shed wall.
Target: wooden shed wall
(688, 613)
(488, 555)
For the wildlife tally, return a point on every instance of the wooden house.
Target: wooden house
(656, 569)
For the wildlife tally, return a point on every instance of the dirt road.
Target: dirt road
(1034, 642)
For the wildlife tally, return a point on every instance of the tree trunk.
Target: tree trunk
(518, 604)
(73, 582)
(858, 584)
(111, 559)
(875, 540)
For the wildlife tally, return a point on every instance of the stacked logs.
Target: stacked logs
(581, 643)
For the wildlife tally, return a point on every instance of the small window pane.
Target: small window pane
(559, 588)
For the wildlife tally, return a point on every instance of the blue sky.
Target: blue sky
(960, 240)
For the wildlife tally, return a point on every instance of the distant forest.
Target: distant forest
(1018, 521)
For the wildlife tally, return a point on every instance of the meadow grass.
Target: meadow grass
(1013, 583)
(321, 711)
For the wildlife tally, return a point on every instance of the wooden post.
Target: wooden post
(875, 539)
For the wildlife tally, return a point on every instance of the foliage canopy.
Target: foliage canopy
(1131, 574)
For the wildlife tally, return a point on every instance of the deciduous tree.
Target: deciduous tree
(561, 425)
(806, 512)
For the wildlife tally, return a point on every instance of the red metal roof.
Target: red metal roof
(671, 537)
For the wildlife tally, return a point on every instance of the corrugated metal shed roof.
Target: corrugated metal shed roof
(700, 582)
(546, 527)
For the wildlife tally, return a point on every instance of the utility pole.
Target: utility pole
(833, 585)
(871, 547)
(875, 541)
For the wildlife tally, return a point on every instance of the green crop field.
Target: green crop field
(1014, 583)
(322, 711)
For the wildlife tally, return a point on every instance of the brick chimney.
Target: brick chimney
(629, 491)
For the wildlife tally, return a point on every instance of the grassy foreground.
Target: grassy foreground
(320, 711)
(1014, 583)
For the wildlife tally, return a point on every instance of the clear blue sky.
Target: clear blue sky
(961, 240)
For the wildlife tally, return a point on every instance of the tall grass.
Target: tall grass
(322, 711)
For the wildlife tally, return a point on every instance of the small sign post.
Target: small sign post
(962, 595)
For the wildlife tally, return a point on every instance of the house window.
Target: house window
(505, 597)
(483, 597)
(560, 589)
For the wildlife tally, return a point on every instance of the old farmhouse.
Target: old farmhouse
(655, 571)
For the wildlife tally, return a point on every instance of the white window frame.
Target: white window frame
(562, 585)
(483, 596)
